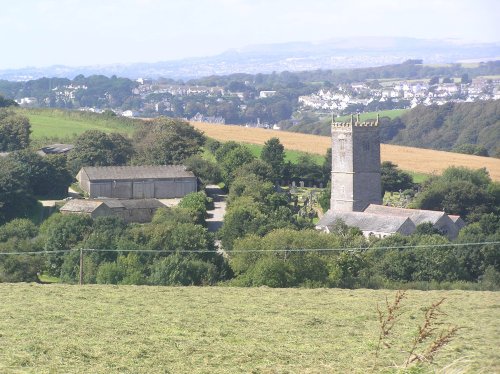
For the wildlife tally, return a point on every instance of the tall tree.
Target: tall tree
(167, 141)
(273, 153)
(14, 131)
(96, 148)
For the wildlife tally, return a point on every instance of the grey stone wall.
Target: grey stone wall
(356, 179)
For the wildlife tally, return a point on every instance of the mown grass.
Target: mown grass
(140, 329)
(66, 125)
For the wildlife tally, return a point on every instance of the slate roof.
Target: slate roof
(96, 173)
(89, 205)
(81, 206)
(133, 203)
(57, 148)
(367, 222)
(418, 216)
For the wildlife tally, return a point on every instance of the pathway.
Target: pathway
(216, 215)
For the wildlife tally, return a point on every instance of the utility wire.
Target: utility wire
(343, 249)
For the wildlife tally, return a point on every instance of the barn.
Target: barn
(139, 210)
(137, 182)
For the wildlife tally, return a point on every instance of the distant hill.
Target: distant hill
(448, 126)
(296, 56)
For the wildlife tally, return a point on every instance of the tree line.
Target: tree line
(263, 226)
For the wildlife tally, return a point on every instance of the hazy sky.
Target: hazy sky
(84, 32)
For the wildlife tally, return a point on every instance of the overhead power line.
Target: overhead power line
(342, 249)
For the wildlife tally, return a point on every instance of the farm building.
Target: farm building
(140, 211)
(356, 188)
(137, 182)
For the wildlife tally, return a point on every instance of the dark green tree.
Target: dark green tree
(166, 141)
(47, 176)
(15, 131)
(16, 196)
(96, 148)
(394, 179)
(273, 153)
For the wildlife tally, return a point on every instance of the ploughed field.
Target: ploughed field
(418, 160)
(140, 329)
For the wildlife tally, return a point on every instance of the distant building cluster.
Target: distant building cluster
(415, 92)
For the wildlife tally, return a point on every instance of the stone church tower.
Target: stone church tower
(356, 179)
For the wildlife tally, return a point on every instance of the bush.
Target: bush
(182, 270)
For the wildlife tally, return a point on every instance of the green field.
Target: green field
(372, 115)
(141, 329)
(66, 125)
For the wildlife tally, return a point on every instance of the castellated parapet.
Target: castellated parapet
(356, 181)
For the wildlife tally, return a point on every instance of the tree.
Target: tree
(16, 197)
(394, 179)
(273, 153)
(7, 102)
(14, 131)
(46, 176)
(207, 171)
(20, 228)
(183, 270)
(434, 80)
(465, 192)
(232, 160)
(96, 148)
(167, 141)
(196, 203)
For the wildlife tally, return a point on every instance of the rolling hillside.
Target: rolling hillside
(418, 160)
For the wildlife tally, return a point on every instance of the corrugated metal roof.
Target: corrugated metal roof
(96, 173)
(81, 206)
(418, 216)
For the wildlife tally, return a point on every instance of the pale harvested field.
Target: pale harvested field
(141, 329)
(407, 158)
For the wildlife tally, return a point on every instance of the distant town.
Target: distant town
(153, 98)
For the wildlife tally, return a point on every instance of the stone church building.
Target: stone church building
(357, 189)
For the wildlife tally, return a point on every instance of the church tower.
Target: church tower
(356, 179)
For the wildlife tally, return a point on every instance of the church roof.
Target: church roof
(418, 216)
(368, 222)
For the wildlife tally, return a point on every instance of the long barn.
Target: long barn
(137, 182)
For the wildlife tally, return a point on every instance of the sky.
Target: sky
(92, 32)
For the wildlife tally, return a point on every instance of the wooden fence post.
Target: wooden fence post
(81, 266)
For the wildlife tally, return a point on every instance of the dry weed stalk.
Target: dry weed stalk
(388, 319)
(426, 332)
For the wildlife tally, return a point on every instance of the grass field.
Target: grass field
(140, 329)
(54, 123)
(417, 160)
(373, 115)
